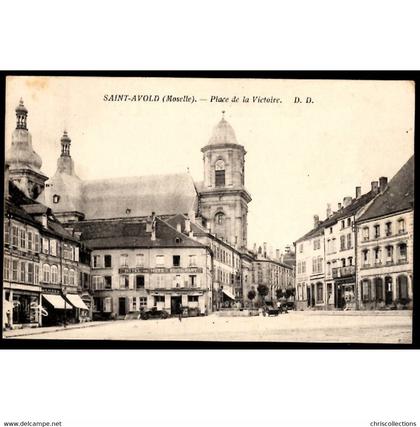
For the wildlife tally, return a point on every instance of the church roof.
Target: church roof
(110, 234)
(138, 196)
(397, 197)
(223, 133)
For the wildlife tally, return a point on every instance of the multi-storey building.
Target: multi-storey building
(385, 245)
(144, 264)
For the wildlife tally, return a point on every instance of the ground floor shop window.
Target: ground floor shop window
(365, 290)
(193, 298)
(159, 299)
(403, 287)
(143, 302)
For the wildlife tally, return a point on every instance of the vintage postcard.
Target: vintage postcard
(208, 209)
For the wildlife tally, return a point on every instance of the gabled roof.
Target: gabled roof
(397, 197)
(110, 234)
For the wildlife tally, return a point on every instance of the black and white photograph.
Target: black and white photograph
(215, 210)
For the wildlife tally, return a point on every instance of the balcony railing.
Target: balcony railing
(343, 271)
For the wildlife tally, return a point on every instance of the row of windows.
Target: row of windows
(301, 267)
(20, 271)
(105, 261)
(50, 274)
(385, 254)
(226, 257)
(162, 281)
(31, 242)
(387, 231)
(317, 263)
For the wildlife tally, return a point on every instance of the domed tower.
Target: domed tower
(223, 198)
(63, 192)
(24, 163)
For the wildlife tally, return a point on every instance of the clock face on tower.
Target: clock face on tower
(220, 165)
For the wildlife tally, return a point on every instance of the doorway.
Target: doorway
(388, 291)
(121, 307)
(176, 303)
(339, 297)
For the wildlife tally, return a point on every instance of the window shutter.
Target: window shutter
(76, 254)
(130, 304)
(198, 277)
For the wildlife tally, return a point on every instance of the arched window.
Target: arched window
(402, 287)
(54, 274)
(46, 273)
(220, 173)
(220, 218)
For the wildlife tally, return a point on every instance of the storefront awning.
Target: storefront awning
(228, 294)
(76, 301)
(57, 302)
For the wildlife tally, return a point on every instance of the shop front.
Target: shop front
(58, 310)
(344, 297)
(20, 308)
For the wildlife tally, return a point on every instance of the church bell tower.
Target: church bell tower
(223, 198)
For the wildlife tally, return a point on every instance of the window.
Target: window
(96, 261)
(350, 260)
(388, 228)
(46, 273)
(377, 230)
(124, 260)
(389, 253)
(377, 252)
(143, 302)
(108, 261)
(193, 260)
(365, 257)
(343, 262)
(6, 233)
(54, 274)
(365, 233)
(22, 238)
(36, 274)
(176, 260)
(193, 281)
(134, 304)
(328, 268)
(220, 173)
(317, 244)
(348, 222)
(192, 298)
(159, 298)
(343, 224)
(56, 198)
(68, 251)
(139, 260)
(401, 225)
(22, 271)
(6, 269)
(342, 243)
(15, 237)
(349, 245)
(124, 282)
(36, 242)
(30, 240)
(65, 276)
(45, 246)
(71, 277)
(53, 247)
(403, 252)
(301, 248)
(140, 281)
(177, 281)
(76, 253)
(97, 283)
(15, 264)
(160, 260)
(30, 272)
(108, 282)
(331, 230)
(219, 218)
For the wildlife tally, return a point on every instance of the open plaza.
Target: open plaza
(295, 326)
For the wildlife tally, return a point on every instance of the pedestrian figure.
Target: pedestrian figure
(180, 312)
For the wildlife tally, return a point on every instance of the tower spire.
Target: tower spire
(21, 116)
(65, 145)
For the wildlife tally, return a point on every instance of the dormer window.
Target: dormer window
(56, 198)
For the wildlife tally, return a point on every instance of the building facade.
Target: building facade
(385, 249)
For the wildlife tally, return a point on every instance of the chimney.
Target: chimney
(277, 254)
(346, 201)
(265, 249)
(6, 180)
(316, 221)
(339, 206)
(254, 249)
(328, 210)
(287, 249)
(383, 182)
(178, 228)
(374, 186)
(358, 192)
(187, 225)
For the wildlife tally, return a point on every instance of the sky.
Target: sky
(300, 156)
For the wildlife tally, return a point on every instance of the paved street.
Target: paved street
(352, 327)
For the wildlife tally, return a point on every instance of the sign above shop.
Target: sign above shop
(160, 270)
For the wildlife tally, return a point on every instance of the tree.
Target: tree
(279, 293)
(251, 295)
(262, 292)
